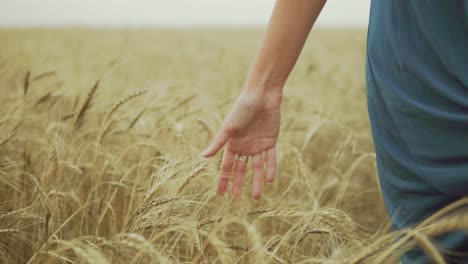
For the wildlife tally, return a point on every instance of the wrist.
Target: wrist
(265, 78)
(270, 97)
(262, 87)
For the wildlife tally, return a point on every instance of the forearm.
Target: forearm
(287, 32)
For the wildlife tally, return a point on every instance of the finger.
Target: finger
(218, 142)
(257, 172)
(271, 164)
(227, 165)
(239, 173)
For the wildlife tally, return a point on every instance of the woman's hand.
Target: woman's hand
(251, 128)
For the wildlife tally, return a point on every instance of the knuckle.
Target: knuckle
(240, 174)
(224, 176)
(231, 130)
(227, 167)
(258, 166)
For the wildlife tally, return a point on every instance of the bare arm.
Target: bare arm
(252, 126)
(287, 32)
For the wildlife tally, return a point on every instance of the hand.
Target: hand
(251, 128)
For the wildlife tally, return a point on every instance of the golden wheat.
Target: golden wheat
(123, 181)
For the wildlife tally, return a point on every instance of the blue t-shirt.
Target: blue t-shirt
(417, 88)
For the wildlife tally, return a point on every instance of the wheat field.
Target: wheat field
(100, 134)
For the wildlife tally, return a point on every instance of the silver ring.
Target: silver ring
(242, 158)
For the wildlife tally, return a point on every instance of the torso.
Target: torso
(417, 87)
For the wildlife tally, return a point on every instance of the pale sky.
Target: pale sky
(348, 13)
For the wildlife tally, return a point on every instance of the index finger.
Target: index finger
(271, 164)
(227, 165)
(218, 142)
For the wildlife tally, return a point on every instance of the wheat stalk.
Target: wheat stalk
(11, 134)
(86, 105)
(135, 119)
(43, 75)
(26, 82)
(122, 101)
(43, 99)
(429, 248)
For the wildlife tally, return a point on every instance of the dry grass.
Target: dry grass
(89, 177)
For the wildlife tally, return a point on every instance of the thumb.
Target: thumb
(218, 142)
